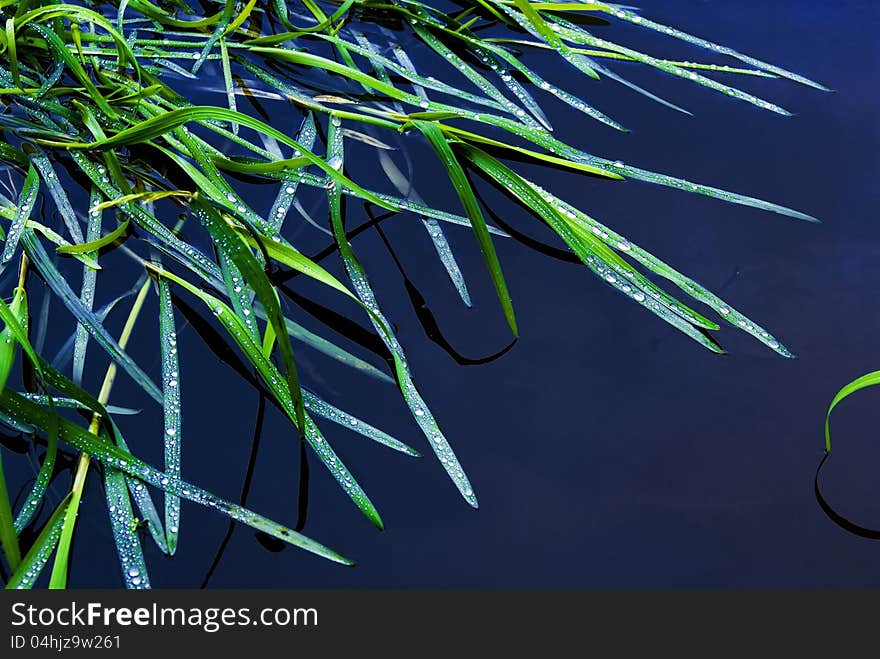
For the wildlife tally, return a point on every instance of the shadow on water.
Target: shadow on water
(426, 317)
(843, 522)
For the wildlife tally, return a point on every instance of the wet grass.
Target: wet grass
(106, 97)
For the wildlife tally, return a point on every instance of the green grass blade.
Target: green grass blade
(124, 525)
(457, 176)
(141, 496)
(87, 292)
(23, 210)
(8, 536)
(58, 194)
(868, 380)
(8, 349)
(171, 407)
(40, 552)
(600, 259)
(95, 245)
(322, 408)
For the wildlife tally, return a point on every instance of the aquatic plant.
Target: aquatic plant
(100, 104)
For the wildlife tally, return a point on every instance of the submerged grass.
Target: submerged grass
(100, 96)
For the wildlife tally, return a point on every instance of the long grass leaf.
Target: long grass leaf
(471, 206)
(23, 210)
(40, 552)
(422, 414)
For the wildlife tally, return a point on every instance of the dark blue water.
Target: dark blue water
(606, 449)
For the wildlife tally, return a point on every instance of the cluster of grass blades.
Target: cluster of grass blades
(101, 97)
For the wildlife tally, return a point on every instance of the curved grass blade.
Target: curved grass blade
(576, 34)
(238, 252)
(601, 260)
(868, 380)
(162, 124)
(95, 245)
(404, 205)
(652, 263)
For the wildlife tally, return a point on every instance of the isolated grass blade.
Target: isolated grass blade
(58, 194)
(867, 380)
(290, 182)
